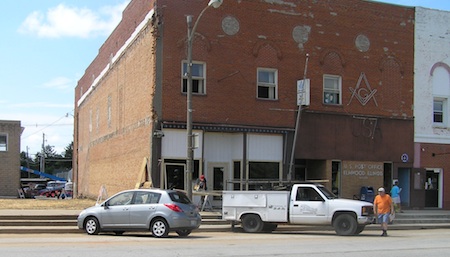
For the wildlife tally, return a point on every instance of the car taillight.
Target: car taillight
(173, 207)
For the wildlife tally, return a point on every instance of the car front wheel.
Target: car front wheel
(159, 228)
(92, 226)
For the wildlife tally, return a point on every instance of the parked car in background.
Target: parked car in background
(156, 210)
(53, 189)
(32, 190)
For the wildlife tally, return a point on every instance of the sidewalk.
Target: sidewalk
(64, 221)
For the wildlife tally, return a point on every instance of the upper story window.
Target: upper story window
(439, 111)
(198, 77)
(3, 143)
(332, 89)
(267, 84)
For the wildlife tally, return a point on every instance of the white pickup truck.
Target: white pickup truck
(304, 204)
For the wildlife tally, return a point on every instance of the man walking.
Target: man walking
(383, 207)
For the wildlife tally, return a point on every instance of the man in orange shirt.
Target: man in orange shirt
(383, 207)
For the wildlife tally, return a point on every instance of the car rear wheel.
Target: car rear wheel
(159, 228)
(92, 226)
(184, 232)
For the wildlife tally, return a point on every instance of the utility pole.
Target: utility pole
(42, 159)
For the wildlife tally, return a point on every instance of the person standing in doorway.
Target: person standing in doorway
(201, 186)
(395, 195)
(383, 207)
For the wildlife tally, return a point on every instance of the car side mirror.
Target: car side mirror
(106, 205)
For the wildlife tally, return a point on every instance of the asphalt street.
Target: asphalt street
(411, 243)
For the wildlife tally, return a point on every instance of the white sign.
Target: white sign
(303, 89)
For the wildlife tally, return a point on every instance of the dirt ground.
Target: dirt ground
(46, 204)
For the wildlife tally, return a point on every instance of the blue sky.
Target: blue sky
(45, 48)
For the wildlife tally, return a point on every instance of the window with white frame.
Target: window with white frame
(439, 111)
(3, 143)
(267, 84)
(332, 89)
(198, 77)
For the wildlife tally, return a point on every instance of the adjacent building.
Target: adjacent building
(10, 132)
(431, 107)
(353, 129)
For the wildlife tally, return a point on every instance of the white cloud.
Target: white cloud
(61, 83)
(65, 21)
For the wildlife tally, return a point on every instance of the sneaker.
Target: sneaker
(384, 233)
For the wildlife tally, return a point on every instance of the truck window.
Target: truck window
(307, 194)
(328, 194)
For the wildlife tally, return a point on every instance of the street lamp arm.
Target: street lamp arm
(191, 35)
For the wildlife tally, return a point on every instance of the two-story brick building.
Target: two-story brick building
(10, 132)
(357, 130)
(431, 107)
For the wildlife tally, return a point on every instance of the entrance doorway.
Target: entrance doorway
(216, 176)
(174, 176)
(404, 175)
(432, 186)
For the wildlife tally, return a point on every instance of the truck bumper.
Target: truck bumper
(365, 220)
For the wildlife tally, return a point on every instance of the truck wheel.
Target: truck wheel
(252, 223)
(345, 225)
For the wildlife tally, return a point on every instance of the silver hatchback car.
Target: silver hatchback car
(157, 210)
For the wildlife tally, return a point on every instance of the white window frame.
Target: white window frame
(199, 79)
(444, 112)
(4, 147)
(332, 95)
(271, 84)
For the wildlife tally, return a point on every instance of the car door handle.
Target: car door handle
(295, 205)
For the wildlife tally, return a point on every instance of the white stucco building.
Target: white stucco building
(431, 104)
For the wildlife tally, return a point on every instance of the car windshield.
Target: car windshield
(179, 197)
(328, 194)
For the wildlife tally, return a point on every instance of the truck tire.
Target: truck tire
(252, 223)
(345, 225)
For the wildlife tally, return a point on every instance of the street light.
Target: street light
(190, 148)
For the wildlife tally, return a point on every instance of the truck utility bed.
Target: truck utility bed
(270, 205)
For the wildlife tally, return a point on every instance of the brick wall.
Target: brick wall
(265, 39)
(115, 122)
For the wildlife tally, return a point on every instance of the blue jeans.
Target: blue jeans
(383, 218)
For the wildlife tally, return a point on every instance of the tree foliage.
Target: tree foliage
(53, 162)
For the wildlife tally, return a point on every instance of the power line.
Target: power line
(49, 125)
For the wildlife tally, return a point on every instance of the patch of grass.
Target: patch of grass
(46, 204)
